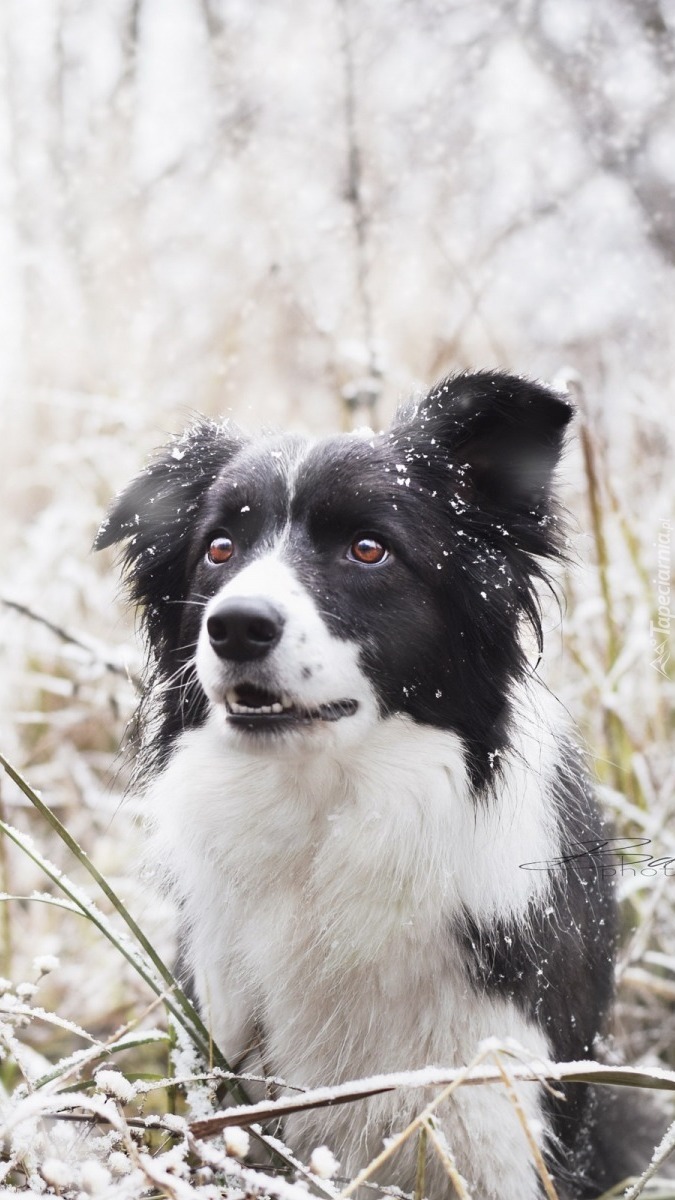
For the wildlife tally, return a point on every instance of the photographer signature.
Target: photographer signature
(608, 856)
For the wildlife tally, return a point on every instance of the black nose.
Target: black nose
(244, 629)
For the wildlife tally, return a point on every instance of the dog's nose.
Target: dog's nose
(244, 629)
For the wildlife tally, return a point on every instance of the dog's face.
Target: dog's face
(287, 570)
(306, 590)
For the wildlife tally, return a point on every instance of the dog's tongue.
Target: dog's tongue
(255, 697)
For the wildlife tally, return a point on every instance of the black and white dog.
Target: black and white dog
(348, 762)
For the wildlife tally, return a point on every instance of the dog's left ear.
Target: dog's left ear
(155, 516)
(503, 435)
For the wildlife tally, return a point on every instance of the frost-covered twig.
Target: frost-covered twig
(662, 1152)
(364, 393)
(472, 1076)
(97, 653)
(74, 1063)
(439, 1142)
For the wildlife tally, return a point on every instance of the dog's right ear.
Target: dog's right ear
(155, 516)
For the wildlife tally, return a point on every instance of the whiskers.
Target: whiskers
(198, 601)
(180, 678)
(180, 695)
(181, 691)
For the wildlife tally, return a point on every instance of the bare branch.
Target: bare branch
(71, 639)
(346, 1093)
(364, 393)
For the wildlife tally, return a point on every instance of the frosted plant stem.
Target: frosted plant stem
(418, 1194)
(663, 1150)
(617, 740)
(443, 1150)
(5, 914)
(527, 1130)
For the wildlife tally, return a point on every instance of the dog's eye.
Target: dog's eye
(220, 549)
(367, 550)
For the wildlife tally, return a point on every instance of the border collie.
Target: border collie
(349, 764)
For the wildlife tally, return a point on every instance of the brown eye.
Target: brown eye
(220, 550)
(367, 550)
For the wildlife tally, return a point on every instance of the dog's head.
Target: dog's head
(305, 590)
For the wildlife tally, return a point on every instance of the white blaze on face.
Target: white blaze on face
(309, 664)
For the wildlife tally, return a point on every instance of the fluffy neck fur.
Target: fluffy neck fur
(321, 895)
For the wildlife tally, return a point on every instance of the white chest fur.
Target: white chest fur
(320, 893)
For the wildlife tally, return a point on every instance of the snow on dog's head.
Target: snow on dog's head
(305, 590)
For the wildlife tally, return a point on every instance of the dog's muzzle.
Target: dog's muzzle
(243, 630)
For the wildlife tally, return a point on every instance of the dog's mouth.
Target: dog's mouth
(252, 707)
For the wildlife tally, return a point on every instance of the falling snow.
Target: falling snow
(177, 235)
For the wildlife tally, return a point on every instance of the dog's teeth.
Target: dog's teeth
(245, 709)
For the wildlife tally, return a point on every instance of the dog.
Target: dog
(359, 791)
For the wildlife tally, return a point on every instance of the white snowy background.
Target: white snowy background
(268, 210)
